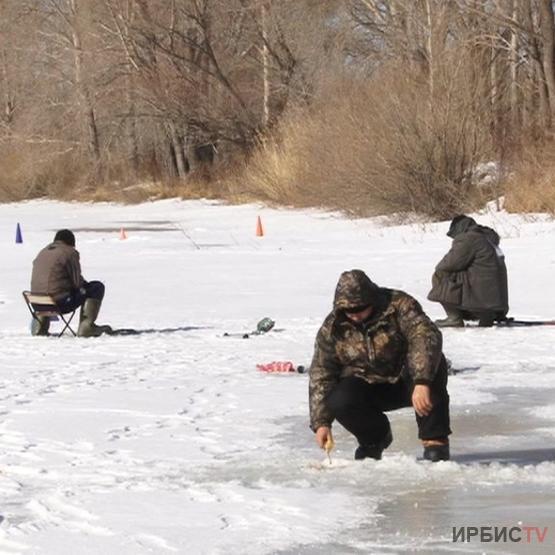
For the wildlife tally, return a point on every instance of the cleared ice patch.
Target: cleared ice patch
(469, 396)
(547, 412)
(171, 441)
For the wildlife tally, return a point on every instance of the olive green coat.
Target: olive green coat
(472, 276)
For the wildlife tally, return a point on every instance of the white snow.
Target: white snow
(171, 441)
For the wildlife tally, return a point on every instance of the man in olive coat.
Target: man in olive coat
(57, 272)
(378, 351)
(470, 281)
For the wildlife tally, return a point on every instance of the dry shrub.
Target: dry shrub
(11, 175)
(379, 146)
(281, 170)
(531, 186)
(35, 170)
(195, 186)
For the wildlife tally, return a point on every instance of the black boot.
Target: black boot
(375, 450)
(486, 320)
(436, 451)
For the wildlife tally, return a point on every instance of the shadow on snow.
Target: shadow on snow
(519, 457)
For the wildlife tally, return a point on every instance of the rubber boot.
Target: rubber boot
(40, 325)
(375, 450)
(486, 320)
(454, 319)
(87, 319)
(436, 450)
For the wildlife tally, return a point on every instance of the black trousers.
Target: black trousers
(360, 406)
(91, 290)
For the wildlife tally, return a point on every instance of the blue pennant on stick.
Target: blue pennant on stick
(18, 234)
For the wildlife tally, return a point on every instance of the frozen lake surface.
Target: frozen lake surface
(171, 441)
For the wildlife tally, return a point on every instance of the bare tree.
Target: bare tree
(547, 25)
(180, 89)
(9, 61)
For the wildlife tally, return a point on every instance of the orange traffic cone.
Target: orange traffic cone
(259, 229)
(122, 234)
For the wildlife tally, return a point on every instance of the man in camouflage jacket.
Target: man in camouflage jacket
(378, 351)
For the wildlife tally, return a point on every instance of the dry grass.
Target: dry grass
(378, 148)
(31, 172)
(365, 146)
(155, 190)
(11, 163)
(531, 187)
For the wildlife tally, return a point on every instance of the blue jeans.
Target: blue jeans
(90, 290)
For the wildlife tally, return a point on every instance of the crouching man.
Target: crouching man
(377, 351)
(470, 281)
(57, 272)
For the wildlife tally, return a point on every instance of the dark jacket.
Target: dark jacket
(57, 270)
(398, 339)
(472, 276)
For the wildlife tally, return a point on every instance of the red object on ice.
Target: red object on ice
(277, 366)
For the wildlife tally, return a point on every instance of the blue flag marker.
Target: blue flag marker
(18, 235)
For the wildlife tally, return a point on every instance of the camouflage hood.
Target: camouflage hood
(355, 289)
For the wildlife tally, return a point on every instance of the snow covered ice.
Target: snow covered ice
(172, 442)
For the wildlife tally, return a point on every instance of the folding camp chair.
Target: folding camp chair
(40, 304)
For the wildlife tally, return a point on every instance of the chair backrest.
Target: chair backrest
(41, 304)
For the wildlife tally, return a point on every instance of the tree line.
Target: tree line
(182, 91)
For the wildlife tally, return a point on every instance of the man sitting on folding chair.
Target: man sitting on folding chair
(57, 272)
